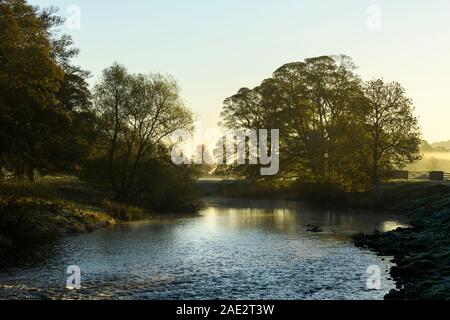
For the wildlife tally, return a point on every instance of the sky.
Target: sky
(214, 47)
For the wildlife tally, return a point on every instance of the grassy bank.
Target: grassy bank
(33, 214)
(321, 194)
(421, 253)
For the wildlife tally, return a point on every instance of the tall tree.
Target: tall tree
(311, 103)
(334, 129)
(30, 79)
(137, 113)
(39, 89)
(391, 135)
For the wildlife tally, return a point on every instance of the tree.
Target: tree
(39, 91)
(137, 112)
(390, 135)
(244, 110)
(335, 130)
(317, 97)
(311, 103)
(29, 81)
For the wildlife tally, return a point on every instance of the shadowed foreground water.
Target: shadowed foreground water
(234, 250)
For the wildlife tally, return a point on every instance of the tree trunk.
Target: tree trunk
(376, 184)
(112, 149)
(377, 191)
(19, 172)
(30, 173)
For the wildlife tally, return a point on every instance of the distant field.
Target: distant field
(432, 161)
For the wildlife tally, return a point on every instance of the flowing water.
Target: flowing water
(234, 249)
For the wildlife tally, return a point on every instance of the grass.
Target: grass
(123, 212)
(421, 253)
(73, 192)
(55, 189)
(309, 192)
(394, 193)
(33, 214)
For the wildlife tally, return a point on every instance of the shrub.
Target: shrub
(123, 212)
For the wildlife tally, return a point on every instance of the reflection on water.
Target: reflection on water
(234, 250)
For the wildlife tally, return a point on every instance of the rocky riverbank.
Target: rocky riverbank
(421, 253)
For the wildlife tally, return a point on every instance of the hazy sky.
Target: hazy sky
(215, 47)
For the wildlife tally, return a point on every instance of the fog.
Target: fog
(432, 161)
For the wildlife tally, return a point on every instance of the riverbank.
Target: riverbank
(421, 253)
(35, 214)
(236, 249)
(318, 194)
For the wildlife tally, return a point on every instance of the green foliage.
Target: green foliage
(41, 93)
(49, 123)
(123, 212)
(159, 186)
(136, 114)
(335, 130)
(168, 188)
(389, 135)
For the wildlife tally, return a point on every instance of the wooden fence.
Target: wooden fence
(446, 176)
(421, 175)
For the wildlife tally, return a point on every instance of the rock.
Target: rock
(421, 253)
(315, 229)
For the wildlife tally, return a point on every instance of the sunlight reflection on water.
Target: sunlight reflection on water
(233, 250)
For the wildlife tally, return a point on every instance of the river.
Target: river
(235, 249)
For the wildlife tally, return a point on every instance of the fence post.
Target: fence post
(437, 176)
(401, 174)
